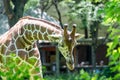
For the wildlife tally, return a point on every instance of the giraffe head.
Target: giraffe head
(67, 44)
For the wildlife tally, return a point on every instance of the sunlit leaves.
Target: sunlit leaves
(85, 75)
(112, 11)
(16, 68)
(112, 15)
(86, 11)
(31, 4)
(113, 51)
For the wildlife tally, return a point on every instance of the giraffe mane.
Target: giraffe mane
(42, 20)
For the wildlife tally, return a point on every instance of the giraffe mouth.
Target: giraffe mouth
(70, 66)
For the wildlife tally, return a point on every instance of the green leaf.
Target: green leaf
(117, 76)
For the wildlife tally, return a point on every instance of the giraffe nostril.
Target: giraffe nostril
(70, 65)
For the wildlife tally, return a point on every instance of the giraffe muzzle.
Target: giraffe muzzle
(70, 65)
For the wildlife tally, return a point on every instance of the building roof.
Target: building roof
(89, 41)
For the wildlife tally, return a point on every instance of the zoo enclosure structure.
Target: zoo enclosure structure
(55, 62)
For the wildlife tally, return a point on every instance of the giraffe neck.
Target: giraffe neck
(29, 29)
(35, 29)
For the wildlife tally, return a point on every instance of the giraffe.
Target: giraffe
(21, 39)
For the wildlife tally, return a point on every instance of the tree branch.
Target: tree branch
(8, 9)
(55, 2)
(115, 25)
(44, 6)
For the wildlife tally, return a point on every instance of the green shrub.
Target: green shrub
(82, 75)
(113, 52)
(15, 68)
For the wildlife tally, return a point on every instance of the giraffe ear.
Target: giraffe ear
(78, 36)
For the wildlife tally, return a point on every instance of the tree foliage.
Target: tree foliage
(112, 11)
(112, 17)
(31, 4)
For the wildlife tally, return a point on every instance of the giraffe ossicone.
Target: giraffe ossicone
(21, 38)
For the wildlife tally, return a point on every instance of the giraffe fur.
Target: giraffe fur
(21, 39)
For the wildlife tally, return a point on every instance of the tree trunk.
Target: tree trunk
(93, 56)
(14, 11)
(94, 36)
(88, 48)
